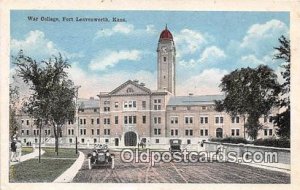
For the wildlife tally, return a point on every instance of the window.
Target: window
(70, 122)
(95, 110)
(27, 122)
(165, 59)
(106, 140)
(129, 104)
(129, 90)
(265, 132)
(92, 121)
(157, 120)
(204, 108)
(22, 132)
(144, 119)
(70, 140)
(95, 140)
(82, 140)
(265, 119)
(188, 119)
(235, 119)
(98, 131)
(174, 132)
(106, 102)
(232, 132)
(129, 119)
(82, 121)
(144, 104)
(156, 141)
(203, 120)
(173, 108)
(157, 104)
(106, 109)
(188, 141)
(92, 131)
(106, 131)
(116, 120)
(27, 132)
(71, 131)
(188, 108)
(219, 119)
(98, 121)
(237, 132)
(174, 120)
(203, 132)
(189, 132)
(116, 104)
(22, 121)
(82, 131)
(157, 131)
(270, 119)
(270, 132)
(106, 121)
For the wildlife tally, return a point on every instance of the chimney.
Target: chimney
(191, 94)
(136, 81)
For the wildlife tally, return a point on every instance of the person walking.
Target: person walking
(13, 149)
(19, 150)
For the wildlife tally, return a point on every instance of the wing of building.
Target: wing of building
(132, 113)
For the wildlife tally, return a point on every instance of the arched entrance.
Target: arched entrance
(130, 139)
(219, 133)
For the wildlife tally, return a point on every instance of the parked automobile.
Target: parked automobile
(101, 157)
(175, 145)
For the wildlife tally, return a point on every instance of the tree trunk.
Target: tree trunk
(56, 138)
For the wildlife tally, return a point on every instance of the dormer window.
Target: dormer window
(129, 90)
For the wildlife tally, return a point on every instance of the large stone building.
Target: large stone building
(132, 113)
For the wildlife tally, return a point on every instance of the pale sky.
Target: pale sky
(103, 55)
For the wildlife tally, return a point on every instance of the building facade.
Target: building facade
(132, 113)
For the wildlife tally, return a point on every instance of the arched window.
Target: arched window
(129, 90)
(219, 133)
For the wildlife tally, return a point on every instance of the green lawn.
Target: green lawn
(26, 150)
(46, 171)
(62, 153)
(32, 171)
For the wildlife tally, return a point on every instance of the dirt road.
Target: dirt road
(178, 173)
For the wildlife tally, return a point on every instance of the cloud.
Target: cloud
(38, 46)
(92, 84)
(206, 83)
(189, 41)
(262, 37)
(125, 29)
(209, 55)
(111, 58)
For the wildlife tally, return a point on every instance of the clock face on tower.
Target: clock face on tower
(164, 49)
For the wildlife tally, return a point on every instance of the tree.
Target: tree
(282, 120)
(53, 94)
(251, 93)
(13, 100)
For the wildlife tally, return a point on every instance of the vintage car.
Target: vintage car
(101, 157)
(175, 145)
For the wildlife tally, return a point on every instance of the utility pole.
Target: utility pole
(77, 112)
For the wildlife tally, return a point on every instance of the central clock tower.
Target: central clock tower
(166, 54)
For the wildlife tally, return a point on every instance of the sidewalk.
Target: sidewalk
(29, 156)
(286, 168)
(70, 173)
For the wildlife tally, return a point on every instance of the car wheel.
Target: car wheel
(90, 164)
(112, 162)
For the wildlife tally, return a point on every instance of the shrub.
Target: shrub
(282, 142)
(234, 140)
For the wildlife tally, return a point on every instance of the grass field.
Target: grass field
(51, 166)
